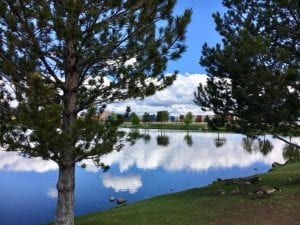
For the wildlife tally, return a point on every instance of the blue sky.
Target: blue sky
(178, 98)
(200, 30)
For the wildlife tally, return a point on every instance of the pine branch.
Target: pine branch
(40, 53)
(286, 141)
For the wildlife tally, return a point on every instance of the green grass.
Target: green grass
(166, 126)
(193, 127)
(202, 206)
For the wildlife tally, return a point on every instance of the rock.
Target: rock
(269, 190)
(265, 190)
(235, 191)
(232, 181)
(112, 199)
(121, 200)
(254, 180)
(276, 164)
(277, 188)
(243, 181)
(219, 179)
(221, 192)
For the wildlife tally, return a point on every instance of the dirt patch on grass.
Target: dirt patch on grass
(260, 214)
(295, 197)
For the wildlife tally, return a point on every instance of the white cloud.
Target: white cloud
(177, 99)
(121, 184)
(9, 92)
(89, 165)
(130, 62)
(52, 193)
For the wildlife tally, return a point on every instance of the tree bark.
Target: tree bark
(66, 178)
(65, 201)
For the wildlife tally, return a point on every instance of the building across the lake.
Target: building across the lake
(229, 117)
(104, 116)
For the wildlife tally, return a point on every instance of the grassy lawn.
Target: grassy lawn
(203, 206)
(167, 126)
(192, 127)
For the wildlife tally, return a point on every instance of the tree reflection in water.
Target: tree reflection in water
(162, 139)
(133, 136)
(188, 139)
(291, 153)
(253, 144)
(247, 143)
(265, 146)
(146, 138)
(219, 141)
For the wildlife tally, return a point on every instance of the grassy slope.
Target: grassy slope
(202, 206)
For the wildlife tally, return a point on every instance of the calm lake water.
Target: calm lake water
(158, 163)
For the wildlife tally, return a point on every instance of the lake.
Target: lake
(158, 163)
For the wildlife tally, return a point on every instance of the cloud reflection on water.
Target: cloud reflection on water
(202, 155)
(129, 183)
(52, 193)
(177, 156)
(11, 161)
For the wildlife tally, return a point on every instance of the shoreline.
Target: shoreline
(212, 204)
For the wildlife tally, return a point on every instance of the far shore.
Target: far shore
(174, 126)
(195, 126)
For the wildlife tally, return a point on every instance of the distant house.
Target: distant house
(199, 119)
(181, 118)
(152, 118)
(104, 116)
(229, 117)
(172, 118)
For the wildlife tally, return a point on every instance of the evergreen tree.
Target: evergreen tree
(188, 139)
(146, 118)
(62, 60)
(134, 119)
(254, 73)
(188, 118)
(127, 113)
(162, 116)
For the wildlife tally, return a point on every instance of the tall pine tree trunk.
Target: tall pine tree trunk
(65, 188)
(66, 178)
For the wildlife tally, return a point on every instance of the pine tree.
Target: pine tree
(188, 118)
(61, 61)
(127, 113)
(162, 116)
(146, 117)
(254, 73)
(134, 119)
